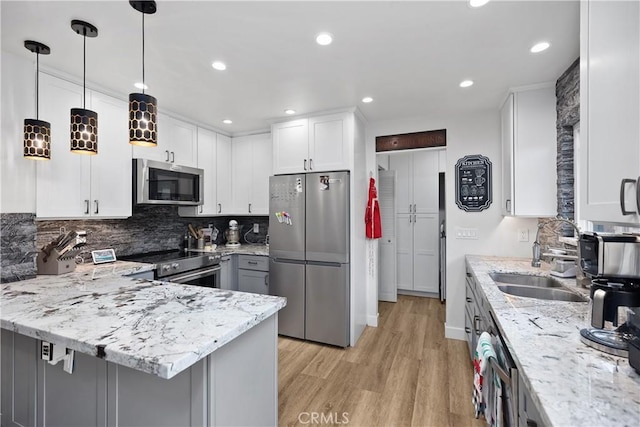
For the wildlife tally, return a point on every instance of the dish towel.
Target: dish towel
(487, 389)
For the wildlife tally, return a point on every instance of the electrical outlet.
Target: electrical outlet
(47, 351)
(256, 228)
(523, 235)
(63, 230)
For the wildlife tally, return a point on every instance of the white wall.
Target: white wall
(17, 175)
(475, 133)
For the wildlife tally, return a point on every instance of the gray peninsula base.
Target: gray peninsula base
(236, 385)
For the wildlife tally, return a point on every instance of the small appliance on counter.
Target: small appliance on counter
(58, 256)
(612, 261)
(232, 234)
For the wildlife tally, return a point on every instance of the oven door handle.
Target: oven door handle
(197, 275)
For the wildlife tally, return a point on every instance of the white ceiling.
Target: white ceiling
(409, 56)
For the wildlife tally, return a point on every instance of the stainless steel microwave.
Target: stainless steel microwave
(162, 183)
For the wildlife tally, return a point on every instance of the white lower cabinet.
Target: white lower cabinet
(81, 186)
(253, 274)
(417, 252)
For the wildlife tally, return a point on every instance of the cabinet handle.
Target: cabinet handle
(638, 194)
(173, 157)
(86, 206)
(476, 324)
(167, 151)
(249, 207)
(467, 330)
(219, 207)
(200, 208)
(531, 423)
(507, 205)
(96, 203)
(469, 299)
(414, 208)
(623, 184)
(409, 219)
(252, 262)
(305, 164)
(310, 164)
(266, 280)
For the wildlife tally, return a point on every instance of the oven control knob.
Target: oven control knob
(212, 258)
(175, 265)
(166, 267)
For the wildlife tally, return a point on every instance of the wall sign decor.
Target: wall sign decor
(473, 183)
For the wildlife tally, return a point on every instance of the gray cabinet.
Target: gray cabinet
(253, 274)
(227, 276)
(477, 318)
(528, 413)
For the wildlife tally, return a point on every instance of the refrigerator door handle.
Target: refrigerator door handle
(324, 264)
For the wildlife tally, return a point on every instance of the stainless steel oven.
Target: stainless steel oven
(208, 277)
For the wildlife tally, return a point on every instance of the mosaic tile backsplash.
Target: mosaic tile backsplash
(150, 228)
(17, 246)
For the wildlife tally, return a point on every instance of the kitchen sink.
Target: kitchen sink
(525, 280)
(539, 287)
(554, 294)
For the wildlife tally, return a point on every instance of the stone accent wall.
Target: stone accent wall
(568, 114)
(150, 228)
(17, 246)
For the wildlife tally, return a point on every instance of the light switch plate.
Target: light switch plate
(466, 233)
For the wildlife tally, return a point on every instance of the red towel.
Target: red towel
(372, 214)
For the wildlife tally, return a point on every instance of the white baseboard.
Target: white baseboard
(372, 320)
(454, 333)
(387, 297)
(418, 293)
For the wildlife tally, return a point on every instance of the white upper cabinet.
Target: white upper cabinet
(177, 143)
(417, 180)
(317, 144)
(206, 156)
(290, 146)
(250, 174)
(529, 150)
(224, 199)
(609, 140)
(81, 186)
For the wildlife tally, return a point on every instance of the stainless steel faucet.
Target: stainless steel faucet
(536, 261)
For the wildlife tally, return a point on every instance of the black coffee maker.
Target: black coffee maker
(612, 261)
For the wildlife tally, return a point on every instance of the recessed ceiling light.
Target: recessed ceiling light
(367, 99)
(539, 47)
(140, 85)
(219, 65)
(289, 111)
(478, 3)
(227, 121)
(466, 83)
(324, 39)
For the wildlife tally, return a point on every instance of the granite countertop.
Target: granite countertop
(571, 384)
(244, 249)
(155, 327)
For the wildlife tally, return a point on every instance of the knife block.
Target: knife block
(53, 265)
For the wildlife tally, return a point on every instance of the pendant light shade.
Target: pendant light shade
(37, 133)
(143, 108)
(84, 123)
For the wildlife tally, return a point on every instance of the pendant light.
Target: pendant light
(84, 123)
(37, 133)
(143, 108)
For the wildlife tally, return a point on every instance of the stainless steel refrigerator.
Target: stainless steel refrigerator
(309, 255)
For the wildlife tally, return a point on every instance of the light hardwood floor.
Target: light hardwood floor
(402, 373)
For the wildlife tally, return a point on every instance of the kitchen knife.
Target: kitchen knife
(193, 231)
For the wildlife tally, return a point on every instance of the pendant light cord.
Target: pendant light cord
(84, 70)
(143, 86)
(38, 85)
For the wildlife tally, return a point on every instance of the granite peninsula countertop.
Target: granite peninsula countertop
(156, 327)
(572, 384)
